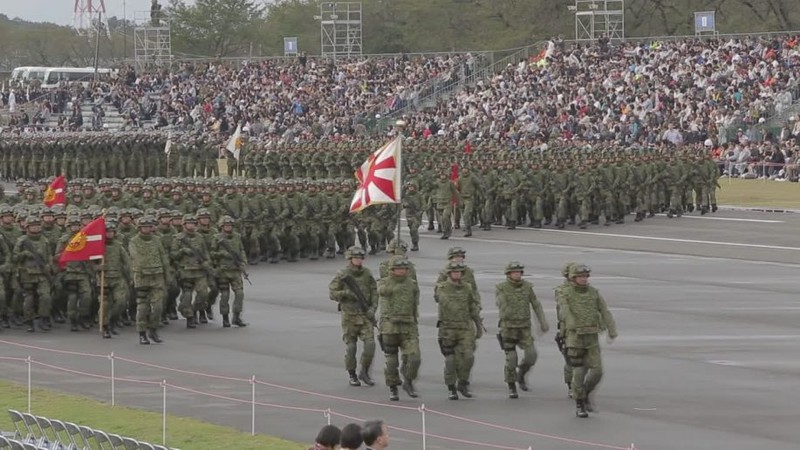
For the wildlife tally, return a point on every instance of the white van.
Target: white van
(55, 75)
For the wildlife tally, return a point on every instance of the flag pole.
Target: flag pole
(102, 294)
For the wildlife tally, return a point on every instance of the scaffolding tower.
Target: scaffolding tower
(340, 29)
(597, 18)
(152, 41)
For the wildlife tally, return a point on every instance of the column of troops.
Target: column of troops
(490, 185)
(390, 304)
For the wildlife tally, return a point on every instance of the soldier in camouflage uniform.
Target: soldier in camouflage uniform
(32, 254)
(515, 299)
(117, 267)
(398, 297)
(228, 254)
(459, 318)
(586, 316)
(413, 203)
(150, 266)
(6, 268)
(191, 257)
(76, 280)
(357, 319)
(561, 334)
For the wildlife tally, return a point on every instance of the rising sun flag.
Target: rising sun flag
(379, 178)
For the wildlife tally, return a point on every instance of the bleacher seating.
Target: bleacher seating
(41, 433)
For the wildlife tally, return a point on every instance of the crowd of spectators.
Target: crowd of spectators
(680, 92)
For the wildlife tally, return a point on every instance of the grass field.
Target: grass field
(738, 192)
(183, 433)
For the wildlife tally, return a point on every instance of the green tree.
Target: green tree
(215, 27)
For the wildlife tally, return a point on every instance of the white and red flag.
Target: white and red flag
(379, 178)
(87, 244)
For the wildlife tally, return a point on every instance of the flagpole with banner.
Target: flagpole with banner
(380, 179)
(168, 150)
(235, 145)
(89, 244)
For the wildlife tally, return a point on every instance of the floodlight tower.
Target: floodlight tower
(85, 12)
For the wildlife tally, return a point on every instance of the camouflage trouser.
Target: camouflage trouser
(36, 288)
(511, 339)
(79, 297)
(197, 286)
(353, 330)
(468, 215)
(414, 222)
(587, 370)
(230, 281)
(150, 293)
(458, 348)
(403, 338)
(115, 298)
(3, 294)
(444, 212)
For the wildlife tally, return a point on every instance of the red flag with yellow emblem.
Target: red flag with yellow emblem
(56, 193)
(87, 244)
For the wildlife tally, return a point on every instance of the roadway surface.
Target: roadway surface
(708, 355)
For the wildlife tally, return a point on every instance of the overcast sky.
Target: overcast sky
(60, 11)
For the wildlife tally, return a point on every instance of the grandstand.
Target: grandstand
(41, 433)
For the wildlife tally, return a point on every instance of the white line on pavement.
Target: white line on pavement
(729, 219)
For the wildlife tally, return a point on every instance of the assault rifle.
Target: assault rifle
(236, 260)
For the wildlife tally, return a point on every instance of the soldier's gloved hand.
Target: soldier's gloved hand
(544, 328)
(478, 329)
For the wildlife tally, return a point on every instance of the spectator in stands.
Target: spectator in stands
(351, 437)
(328, 438)
(375, 434)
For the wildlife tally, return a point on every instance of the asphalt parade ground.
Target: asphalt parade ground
(708, 354)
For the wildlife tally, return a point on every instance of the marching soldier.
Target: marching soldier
(355, 290)
(398, 295)
(228, 254)
(459, 324)
(190, 254)
(32, 254)
(515, 299)
(586, 317)
(151, 271)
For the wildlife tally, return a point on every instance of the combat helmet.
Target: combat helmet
(395, 245)
(579, 269)
(514, 266)
(400, 262)
(456, 251)
(355, 252)
(454, 266)
(227, 220)
(146, 221)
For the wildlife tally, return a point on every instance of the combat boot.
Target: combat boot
(638, 217)
(237, 320)
(671, 213)
(190, 322)
(112, 328)
(620, 220)
(445, 237)
(468, 232)
(203, 317)
(58, 317)
(4, 322)
(537, 224)
(210, 313)
(73, 325)
(703, 210)
(430, 226)
(415, 247)
(714, 207)
(85, 323)
(153, 334)
(106, 333)
(463, 388)
(226, 323)
(589, 403)
(452, 394)
(512, 225)
(364, 376)
(30, 328)
(164, 319)
(571, 221)
(569, 390)
(560, 224)
(408, 386)
(512, 391)
(582, 225)
(354, 379)
(43, 324)
(521, 381)
(143, 338)
(393, 395)
(580, 409)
